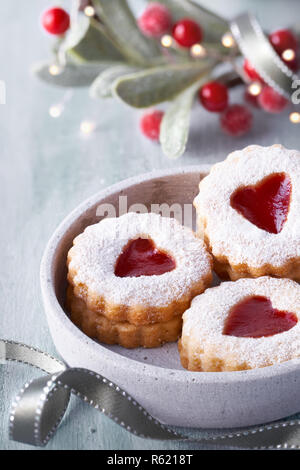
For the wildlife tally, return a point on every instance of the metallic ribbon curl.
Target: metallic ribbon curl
(41, 404)
(256, 47)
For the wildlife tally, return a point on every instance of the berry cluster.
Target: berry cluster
(285, 45)
(156, 20)
(235, 119)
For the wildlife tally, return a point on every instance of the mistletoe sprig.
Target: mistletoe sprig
(172, 53)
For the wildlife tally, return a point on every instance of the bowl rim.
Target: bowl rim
(52, 304)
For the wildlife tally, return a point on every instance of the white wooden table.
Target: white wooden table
(47, 168)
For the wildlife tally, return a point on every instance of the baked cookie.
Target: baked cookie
(248, 212)
(125, 334)
(138, 268)
(241, 325)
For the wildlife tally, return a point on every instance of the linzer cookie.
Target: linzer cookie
(136, 270)
(248, 213)
(241, 325)
(125, 334)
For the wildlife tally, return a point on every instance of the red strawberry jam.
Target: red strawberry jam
(255, 317)
(266, 204)
(142, 258)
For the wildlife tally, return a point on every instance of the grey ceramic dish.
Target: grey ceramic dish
(155, 377)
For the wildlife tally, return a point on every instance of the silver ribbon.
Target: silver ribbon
(41, 404)
(256, 47)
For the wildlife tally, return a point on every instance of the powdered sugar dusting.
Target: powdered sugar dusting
(232, 235)
(204, 322)
(96, 250)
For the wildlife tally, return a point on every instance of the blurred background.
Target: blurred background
(48, 167)
(54, 149)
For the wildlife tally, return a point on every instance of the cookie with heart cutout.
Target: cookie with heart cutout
(241, 325)
(248, 211)
(123, 333)
(138, 268)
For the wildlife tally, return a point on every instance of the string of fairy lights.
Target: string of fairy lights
(197, 51)
(227, 40)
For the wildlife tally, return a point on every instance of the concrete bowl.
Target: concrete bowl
(154, 377)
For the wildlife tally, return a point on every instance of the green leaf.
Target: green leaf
(92, 45)
(76, 33)
(158, 84)
(175, 124)
(102, 86)
(122, 27)
(213, 25)
(71, 75)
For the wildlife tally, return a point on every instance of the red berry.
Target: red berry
(251, 72)
(150, 124)
(56, 21)
(292, 64)
(271, 101)
(214, 96)
(155, 20)
(283, 39)
(187, 32)
(236, 120)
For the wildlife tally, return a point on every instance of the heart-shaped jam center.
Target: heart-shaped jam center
(255, 317)
(141, 258)
(266, 204)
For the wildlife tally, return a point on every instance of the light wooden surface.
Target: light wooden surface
(47, 168)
